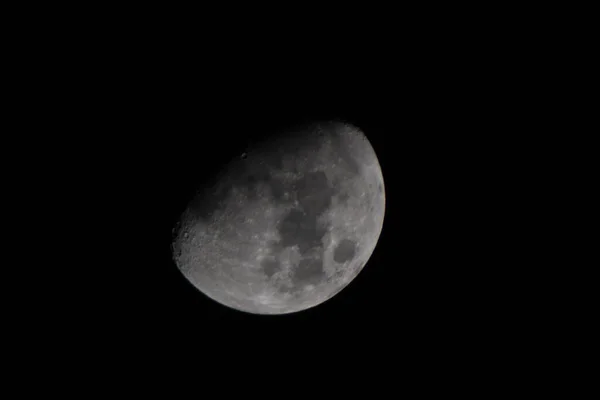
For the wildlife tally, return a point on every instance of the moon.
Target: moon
(288, 224)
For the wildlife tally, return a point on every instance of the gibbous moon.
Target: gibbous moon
(286, 225)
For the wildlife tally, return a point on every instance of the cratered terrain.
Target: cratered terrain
(288, 224)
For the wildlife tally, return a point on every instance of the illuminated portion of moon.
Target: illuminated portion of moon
(288, 225)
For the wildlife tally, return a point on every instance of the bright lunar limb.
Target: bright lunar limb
(287, 225)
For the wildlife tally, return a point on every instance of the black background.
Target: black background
(433, 277)
(127, 111)
(167, 114)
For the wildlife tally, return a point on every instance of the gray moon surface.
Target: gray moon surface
(288, 225)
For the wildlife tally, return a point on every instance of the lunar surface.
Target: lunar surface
(286, 225)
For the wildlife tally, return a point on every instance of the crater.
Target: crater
(344, 251)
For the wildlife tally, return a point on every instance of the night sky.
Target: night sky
(140, 108)
(436, 275)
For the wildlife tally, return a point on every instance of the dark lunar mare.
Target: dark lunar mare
(270, 267)
(300, 227)
(344, 251)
